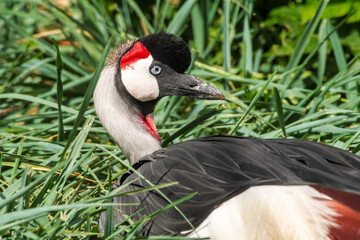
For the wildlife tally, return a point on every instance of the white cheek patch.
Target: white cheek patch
(139, 82)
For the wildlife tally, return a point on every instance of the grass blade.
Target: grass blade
(351, 140)
(191, 125)
(179, 19)
(59, 67)
(71, 63)
(248, 50)
(88, 96)
(341, 62)
(322, 51)
(17, 161)
(109, 214)
(336, 45)
(252, 104)
(226, 36)
(300, 47)
(198, 27)
(279, 110)
(142, 16)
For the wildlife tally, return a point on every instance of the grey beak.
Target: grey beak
(194, 87)
(176, 84)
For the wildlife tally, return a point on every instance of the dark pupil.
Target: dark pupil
(156, 69)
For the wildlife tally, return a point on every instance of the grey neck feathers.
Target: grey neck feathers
(120, 120)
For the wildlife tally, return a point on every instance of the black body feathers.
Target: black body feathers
(220, 167)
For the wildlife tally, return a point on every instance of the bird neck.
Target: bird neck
(129, 122)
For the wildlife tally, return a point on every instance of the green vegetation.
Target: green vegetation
(287, 69)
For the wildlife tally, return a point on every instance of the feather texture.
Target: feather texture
(271, 212)
(221, 167)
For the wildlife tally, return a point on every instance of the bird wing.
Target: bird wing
(221, 167)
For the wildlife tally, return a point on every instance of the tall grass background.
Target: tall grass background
(288, 69)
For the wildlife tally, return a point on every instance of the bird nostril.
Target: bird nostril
(193, 85)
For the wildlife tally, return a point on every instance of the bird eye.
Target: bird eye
(155, 70)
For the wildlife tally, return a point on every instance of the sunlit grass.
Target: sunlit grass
(281, 78)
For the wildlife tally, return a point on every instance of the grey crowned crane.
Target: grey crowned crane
(246, 188)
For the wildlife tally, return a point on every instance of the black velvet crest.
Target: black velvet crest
(168, 49)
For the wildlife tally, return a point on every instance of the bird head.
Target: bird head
(138, 74)
(154, 66)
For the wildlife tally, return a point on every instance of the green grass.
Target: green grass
(286, 71)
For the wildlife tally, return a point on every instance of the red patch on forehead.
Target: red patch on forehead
(135, 54)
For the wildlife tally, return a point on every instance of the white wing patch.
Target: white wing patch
(271, 213)
(139, 82)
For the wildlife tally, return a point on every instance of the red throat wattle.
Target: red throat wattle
(149, 124)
